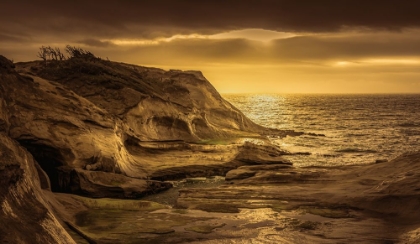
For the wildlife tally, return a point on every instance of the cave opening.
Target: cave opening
(52, 161)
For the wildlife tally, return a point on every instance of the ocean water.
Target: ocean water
(358, 129)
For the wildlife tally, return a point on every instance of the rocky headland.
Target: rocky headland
(87, 146)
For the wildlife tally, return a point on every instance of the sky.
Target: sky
(244, 46)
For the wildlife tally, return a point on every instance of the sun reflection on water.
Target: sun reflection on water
(259, 105)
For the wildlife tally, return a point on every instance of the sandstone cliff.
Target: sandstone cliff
(25, 215)
(103, 129)
(155, 104)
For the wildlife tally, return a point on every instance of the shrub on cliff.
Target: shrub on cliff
(76, 52)
(57, 65)
(48, 53)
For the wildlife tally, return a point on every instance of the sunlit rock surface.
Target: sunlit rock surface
(367, 204)
(64, 131)
(156, 104)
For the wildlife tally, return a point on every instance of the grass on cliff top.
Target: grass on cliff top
(111, 75)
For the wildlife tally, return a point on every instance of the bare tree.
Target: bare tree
(60, 55)
(74, 52)
(53, 53)
(44, 53)
(47, 53)
(77, 52)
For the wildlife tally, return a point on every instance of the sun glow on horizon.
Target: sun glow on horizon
(392, 61)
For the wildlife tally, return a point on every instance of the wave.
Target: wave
(362, 128)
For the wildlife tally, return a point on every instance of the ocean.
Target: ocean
(358, 129)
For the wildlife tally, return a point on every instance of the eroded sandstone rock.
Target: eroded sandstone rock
(103, 129)
(25, 214)
(156, 104)
(110, 117)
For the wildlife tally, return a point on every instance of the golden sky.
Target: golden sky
(241, 46)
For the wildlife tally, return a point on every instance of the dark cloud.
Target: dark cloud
(110, 19)
(12, 38)
(348, 47)
(304, 50)
(329, 31)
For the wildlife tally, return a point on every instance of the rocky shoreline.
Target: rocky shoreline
(276, 203)
(85, 142)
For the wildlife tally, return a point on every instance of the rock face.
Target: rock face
(82, 115)
(25, 215)
(96, 115)
(65, 132)
(155, 104)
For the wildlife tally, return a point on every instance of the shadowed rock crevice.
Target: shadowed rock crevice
(51, 160)
(178, 173)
